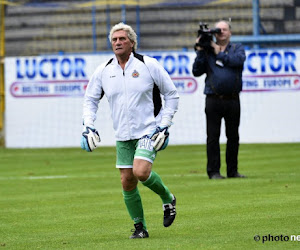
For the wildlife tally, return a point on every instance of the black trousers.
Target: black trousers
(216, 108)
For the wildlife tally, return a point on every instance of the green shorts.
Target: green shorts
(127, 151)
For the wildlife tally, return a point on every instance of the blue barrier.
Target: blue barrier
(282, 38)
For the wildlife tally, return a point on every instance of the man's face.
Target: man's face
(121, 44)
(225, 34)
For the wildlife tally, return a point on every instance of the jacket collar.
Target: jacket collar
(115, 60)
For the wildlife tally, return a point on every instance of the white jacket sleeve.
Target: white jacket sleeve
(92, 97)
(166, 88)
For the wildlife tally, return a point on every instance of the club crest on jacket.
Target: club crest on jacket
(135, 74)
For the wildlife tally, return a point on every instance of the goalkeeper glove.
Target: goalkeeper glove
(90, 138)
(161, 138)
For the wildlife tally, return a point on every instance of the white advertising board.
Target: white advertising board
(44, 97)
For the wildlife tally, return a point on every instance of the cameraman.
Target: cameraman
(223, 65)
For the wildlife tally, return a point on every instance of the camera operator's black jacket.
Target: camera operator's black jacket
(221, 80)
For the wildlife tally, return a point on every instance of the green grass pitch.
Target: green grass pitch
(71, 199)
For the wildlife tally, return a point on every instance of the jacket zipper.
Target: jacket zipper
(126, 102)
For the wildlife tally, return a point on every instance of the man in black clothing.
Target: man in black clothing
(223, 66)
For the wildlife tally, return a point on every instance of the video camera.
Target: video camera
(206, 36)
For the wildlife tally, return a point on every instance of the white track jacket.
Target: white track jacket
(132, 97)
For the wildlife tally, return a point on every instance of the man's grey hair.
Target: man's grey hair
(130, 32)
(224, 21)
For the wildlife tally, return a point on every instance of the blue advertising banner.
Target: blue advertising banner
(44, 96)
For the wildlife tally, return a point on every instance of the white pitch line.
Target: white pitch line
(34, 177)
(49, 177)
(46, 177)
